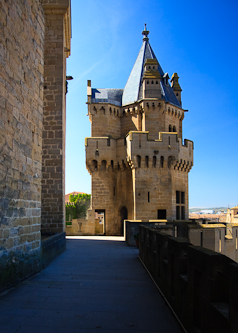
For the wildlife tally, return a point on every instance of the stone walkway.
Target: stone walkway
(94, 286)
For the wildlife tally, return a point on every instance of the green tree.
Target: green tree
(78, 206)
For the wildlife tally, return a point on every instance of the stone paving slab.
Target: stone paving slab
(97, 285)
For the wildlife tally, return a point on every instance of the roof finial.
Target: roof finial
(145, 33)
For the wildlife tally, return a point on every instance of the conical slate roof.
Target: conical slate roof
(133, 88)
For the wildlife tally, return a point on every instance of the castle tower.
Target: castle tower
(135, 155)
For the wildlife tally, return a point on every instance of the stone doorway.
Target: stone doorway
(100, 221)
(123, 216)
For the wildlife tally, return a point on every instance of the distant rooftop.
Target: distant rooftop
(113, 96)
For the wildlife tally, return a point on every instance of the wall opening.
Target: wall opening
(161, 214)
(95, 165)
(100, 225)
(154, 161)
(180, 205)
(123, 216)
(161, 161)
(147, 161)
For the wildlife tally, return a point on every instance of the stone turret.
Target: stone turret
(151, 79)
(176, 87)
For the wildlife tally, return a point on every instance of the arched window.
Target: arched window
(170, 128)
(95, 165)
(154, 161)
(152, 82)
(174, 128)
(147, 161)
(161, 161)
(138, 158)
(170, 161)
(112, 164)
(103, 165)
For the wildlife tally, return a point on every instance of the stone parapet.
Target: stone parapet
(168, 150)
(200, 285)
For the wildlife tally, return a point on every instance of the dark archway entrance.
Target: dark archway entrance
(123, 216)
(100, 225)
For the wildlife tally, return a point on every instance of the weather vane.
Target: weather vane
(145, 33)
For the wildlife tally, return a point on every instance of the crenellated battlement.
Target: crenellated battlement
(104, 109)
(166, 152)
(105, 154)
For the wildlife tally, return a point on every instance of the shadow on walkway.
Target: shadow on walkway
(94, 286)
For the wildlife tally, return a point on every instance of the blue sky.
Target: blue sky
(198, 40)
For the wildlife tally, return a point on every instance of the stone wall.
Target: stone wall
(156, 177)
(32, 71)
(132, 122)
(106, 121)
(21, 85)
(53, 167)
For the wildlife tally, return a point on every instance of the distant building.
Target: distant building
(207, 211)
(232, 214)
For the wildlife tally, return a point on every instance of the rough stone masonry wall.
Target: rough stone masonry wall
(21, 110)
(105, 122)
(53, 124)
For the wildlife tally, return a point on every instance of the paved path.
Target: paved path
(94, 286)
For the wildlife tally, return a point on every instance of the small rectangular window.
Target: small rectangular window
(182, 197)
(182, 213)
(148, 196)
(177, 197)
(177, 212)
(161, 214)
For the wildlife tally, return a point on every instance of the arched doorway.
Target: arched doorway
(123, 216)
